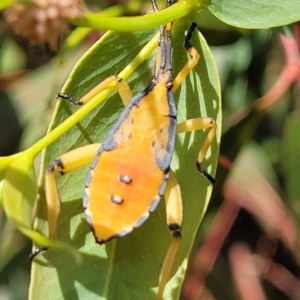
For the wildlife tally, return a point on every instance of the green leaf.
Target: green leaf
(18, 194)
(128, 267)
(256, 14)
(19, 190)
(4, 163)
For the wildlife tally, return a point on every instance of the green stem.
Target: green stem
(102, 22)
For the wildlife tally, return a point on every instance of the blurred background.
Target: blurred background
(247, 245)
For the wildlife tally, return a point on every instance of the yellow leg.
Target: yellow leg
(201, 124)
(120, 84)
(197, 123)
(173, 196)
(174, 220)
(65, 163)
(191, 63)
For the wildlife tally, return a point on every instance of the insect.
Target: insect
(130, 170)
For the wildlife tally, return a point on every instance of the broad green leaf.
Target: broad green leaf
(256, 14)
(127, 268)
(18, 194)
(4, 163)
(19, 190)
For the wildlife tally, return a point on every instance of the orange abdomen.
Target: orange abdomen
(129, 173)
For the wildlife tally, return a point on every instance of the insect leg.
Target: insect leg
(65, 163)
(201, 124)
(173, 197)
(174, 213)
(191, 63)
(120, 84)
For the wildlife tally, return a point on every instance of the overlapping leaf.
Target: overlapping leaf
(256, 14)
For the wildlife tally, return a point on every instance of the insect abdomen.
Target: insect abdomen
(122, 192)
